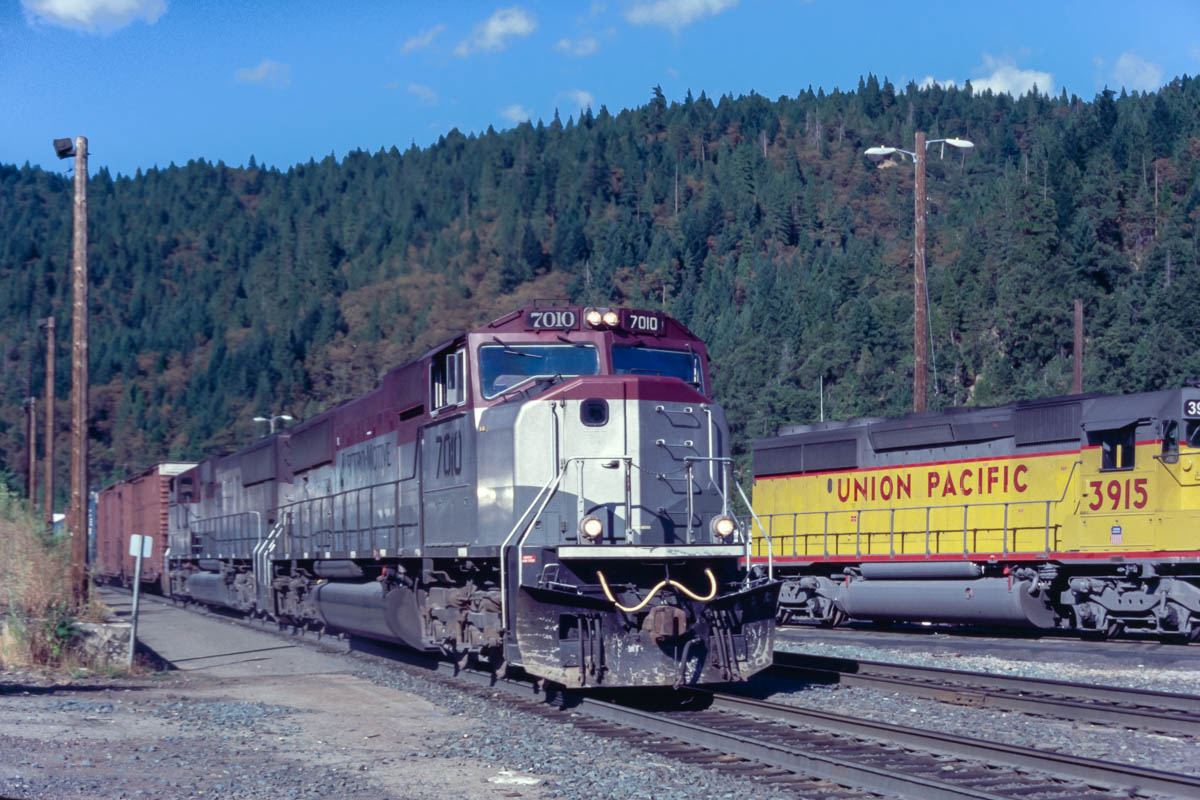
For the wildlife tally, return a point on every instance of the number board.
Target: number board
(1191, 408)
(647, 322)
(551, 319)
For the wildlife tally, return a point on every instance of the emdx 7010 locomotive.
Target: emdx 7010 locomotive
(550, 491)
(1078, 512)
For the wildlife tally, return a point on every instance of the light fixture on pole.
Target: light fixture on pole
(917, 155)
(273, 419)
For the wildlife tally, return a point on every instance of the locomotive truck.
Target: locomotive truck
(1079, 512)
(550, 491)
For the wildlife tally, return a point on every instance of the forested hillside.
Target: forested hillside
(220, 293)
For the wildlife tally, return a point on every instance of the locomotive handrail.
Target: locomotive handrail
(548, 490)
(332, 500)
(727, 464)
(766, 537)
(262, 561)
(215, 535)
(966, 507)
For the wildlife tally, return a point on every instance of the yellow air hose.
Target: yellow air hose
(712, 592)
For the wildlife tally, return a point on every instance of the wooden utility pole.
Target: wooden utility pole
(919, 321)
(1077, 384)
(48, 323)
(31, 448)
(920, 294)
(78, 512)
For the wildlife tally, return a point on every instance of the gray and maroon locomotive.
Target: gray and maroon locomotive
(551, 491)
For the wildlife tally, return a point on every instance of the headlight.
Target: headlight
(611, 318)
(723, 527)
(591, 527)
(594, 317)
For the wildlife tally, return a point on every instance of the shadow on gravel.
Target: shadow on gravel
(657, 698)
(72, 688)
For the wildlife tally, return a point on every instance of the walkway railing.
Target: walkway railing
(919, 530)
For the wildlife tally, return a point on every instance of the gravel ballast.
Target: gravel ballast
(1108, 743)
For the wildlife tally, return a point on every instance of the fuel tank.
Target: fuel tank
(989, 600)
(358, 608)
(210, 588)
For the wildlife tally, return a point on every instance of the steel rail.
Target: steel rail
(1144, 709)
(1123, 777)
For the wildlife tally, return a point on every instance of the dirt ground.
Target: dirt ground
(179, 735)
(245, 715)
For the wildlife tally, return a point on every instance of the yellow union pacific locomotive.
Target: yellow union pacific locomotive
(1078, 512)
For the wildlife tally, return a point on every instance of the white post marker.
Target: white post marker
(142, 547)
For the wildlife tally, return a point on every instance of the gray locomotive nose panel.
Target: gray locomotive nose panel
(664, 450)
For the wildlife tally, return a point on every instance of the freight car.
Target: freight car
(1077, 512)
(550, 491)
(135, 505)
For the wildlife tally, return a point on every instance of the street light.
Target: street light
(273, 419)
(919, 323)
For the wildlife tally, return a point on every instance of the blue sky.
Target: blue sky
(152, 82)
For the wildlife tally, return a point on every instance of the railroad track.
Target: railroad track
(1161, 712)
(821, 755)
(814, 754)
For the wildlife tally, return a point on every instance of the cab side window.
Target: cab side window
(447, 376)
(1116, 447)
(1170, 441)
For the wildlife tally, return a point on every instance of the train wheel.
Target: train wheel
(838, 617)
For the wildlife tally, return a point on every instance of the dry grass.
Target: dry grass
(36, 627)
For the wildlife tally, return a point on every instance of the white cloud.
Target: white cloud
(578, 47)
(929, 80)
(423, 93)
(516, 113)
(422, 39)
(580, 99)
(493, 33)
(1007, 79)
(104, 16)
(1132, 72)
(268, 73)
(675, 14)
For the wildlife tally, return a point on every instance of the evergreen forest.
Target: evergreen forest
(220, 293)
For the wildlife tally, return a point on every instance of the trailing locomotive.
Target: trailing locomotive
(550, 491)
(1075, 512)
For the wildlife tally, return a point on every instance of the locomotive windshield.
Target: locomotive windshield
(1193, 433)
(504, 366)
(651, 361)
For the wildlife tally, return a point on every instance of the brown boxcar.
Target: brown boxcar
(136, 505)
